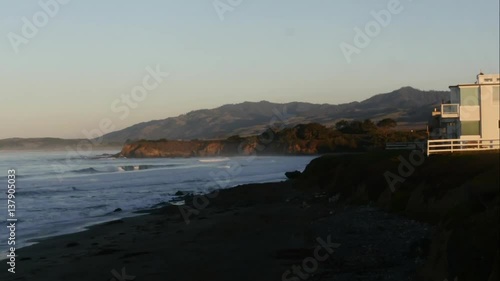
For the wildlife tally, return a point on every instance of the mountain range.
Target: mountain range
(409, 106)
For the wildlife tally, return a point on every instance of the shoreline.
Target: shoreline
(75, 230)
(424, 230)
(120, 216)
(34, 230)
(273, 231)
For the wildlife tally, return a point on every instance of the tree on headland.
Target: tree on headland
(368, 126)
(355, 126)
(312, 131)
(340, 125)
(387, 123)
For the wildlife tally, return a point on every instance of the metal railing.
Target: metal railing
(404, 145)
(456, 145)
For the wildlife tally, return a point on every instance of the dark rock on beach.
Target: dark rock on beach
(293, 175)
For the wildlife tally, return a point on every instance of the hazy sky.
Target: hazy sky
(87, 54)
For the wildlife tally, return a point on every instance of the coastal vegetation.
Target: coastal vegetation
(302, 139)
(457, 193)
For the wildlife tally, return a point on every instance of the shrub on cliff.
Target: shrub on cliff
(235, 138)
(355, 126)
(387, 123)
(312, 131)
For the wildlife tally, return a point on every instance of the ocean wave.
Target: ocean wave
(144, 167)
(214, 160)
(193, 181)
(134, 168)
(123, 168)
(85, 171)
(45, 191)
(104, 156)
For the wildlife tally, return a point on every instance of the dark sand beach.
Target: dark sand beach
(254, 232)
(294, 230)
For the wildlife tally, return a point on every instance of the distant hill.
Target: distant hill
(409, 106)
(47, 144)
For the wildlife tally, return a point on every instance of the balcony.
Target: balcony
(460, 145)
(450, 110)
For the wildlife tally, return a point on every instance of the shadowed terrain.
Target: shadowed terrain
(433, 226)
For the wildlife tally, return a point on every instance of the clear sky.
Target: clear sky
(89, 53)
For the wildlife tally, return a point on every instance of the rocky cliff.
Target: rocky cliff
(151, 149)
(308, 139)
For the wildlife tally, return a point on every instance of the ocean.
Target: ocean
(59, 193)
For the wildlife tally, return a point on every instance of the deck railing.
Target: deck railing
(404, 145)
(456, 145)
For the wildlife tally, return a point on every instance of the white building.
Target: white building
(472, 113)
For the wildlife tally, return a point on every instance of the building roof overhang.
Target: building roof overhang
(474, 84)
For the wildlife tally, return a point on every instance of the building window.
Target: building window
(488, 80)
(450, 109)
(471, 128)
(469, 96)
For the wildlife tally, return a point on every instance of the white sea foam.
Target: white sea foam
(213, 160)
